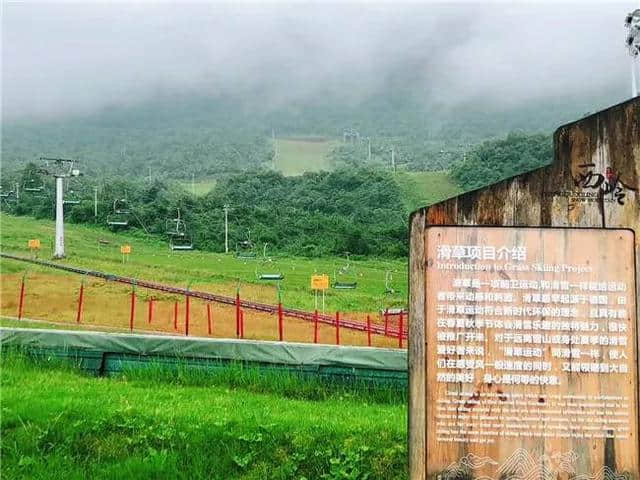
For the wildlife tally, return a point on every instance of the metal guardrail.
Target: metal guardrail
(212, 297)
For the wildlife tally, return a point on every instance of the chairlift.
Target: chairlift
(265, 260)
(245, 249)
(4, 194)
(179, 239)
(32, 185)
(120, 215)
(73, 192)
(176, 226)
(181, 242)
(343, 275)
(9, 196)
(388, 279)
(73, 198)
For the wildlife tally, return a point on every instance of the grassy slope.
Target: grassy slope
(151, 260)
(200, 187)
(145, 428)
(295, 157)
(425, 188)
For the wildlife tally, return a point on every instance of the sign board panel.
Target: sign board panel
(34, 243)
(319, 282)
(531, 354)
(125, 249)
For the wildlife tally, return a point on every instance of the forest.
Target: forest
(177, 137)
(146, 154)
(346, 210)
(356, 207)
(495, 160)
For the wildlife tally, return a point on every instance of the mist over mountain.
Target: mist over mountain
(251, 103)
(61, 59)
(126, 86)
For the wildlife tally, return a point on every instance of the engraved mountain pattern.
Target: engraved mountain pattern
(518, 465)
(521, 465)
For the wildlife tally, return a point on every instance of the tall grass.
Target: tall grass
(285, 383)
(59, 423)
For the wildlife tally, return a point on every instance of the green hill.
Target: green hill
(425, 188)
(173, 137)
(295, 156)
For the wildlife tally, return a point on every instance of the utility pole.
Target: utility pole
(17, 192)
(95, 204)
(393, 160)
(369, 147)
(275, 147)
(59, 245)
(60, 168)
(226, 228)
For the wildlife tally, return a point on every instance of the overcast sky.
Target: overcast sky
(76, 58)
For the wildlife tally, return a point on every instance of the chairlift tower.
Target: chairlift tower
(60, 168)
(632, 23)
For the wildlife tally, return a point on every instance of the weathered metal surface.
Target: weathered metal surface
(594, 181)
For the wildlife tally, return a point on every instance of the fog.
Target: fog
(63, 59)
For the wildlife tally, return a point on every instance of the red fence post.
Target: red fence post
(209, 318)
(337, 328)
(80, 300)
(238, 314)
(315, 326)
(150, 311)
(386, 322)
(241, 323)
(175, 315)
(368, 330)
(133, 308)
(400, 332)
(280, 325)
(186, 316)
(21, 303)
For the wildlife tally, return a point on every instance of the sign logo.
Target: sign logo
(594, 186)
(609, 183)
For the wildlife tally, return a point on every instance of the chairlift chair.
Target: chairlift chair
(341, 277)
(176, 226)
(74, 192)
(32, 186)
(181, 242)
(8, 196)
(4, 194)
(179, 239)
(245, 249)
(120, 215)
(388, 278)
(339, 285)
(267, 276)
(72, 200)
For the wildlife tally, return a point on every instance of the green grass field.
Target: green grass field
(59, 423)
(425, 188)
(218, 273)
(199, 187)
(297, 156)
